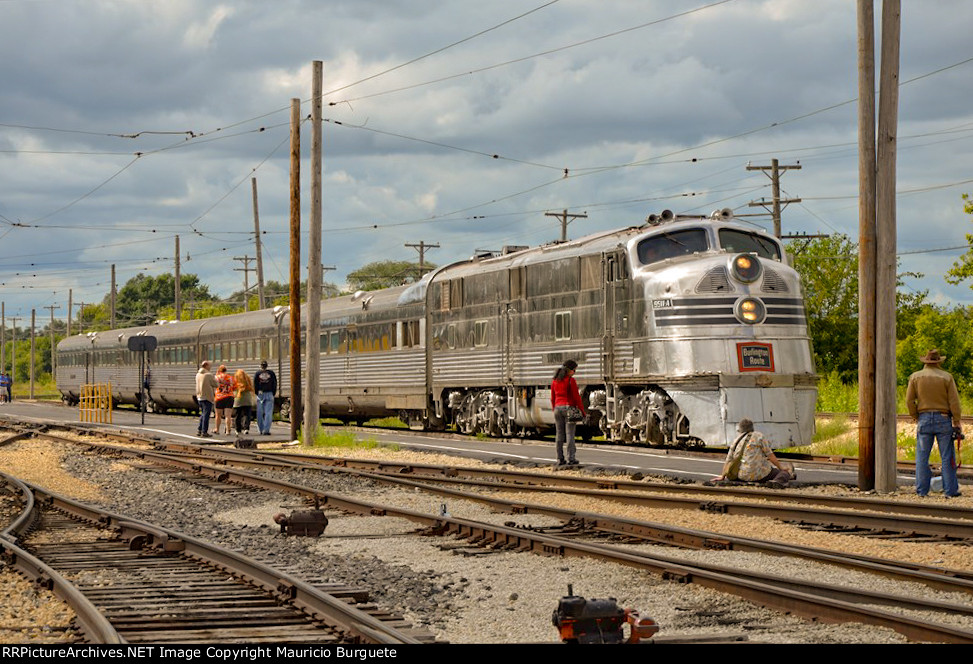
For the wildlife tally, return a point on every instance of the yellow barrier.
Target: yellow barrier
(95, 404)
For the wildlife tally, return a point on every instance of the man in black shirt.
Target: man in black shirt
(265, 384)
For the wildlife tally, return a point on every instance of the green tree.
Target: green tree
(945, 329)
(829, 273)
(963, 268)
(141, 299)
(384, 274)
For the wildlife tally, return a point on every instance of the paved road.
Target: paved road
(541, 452)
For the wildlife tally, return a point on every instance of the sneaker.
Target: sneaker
(205, 435)
(573, 462)
(773, 484)
(954, 495)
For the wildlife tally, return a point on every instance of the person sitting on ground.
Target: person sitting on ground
(750, 459)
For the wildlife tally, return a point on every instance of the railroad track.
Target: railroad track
(579, 537)
(133, 582)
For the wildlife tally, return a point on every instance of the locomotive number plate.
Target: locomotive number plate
(662, 304)
(753, 356)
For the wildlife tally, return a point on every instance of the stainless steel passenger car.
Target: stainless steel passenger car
(681, 327)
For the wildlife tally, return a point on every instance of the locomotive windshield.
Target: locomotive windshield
(670, 245)
(742, 242)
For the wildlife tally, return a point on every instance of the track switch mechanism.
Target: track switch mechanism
(307, 524)
(580, 620)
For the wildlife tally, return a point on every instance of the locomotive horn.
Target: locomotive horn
(725, 213)
(667, 215)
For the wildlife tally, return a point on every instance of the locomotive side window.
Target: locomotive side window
(480, 333)
(671, 245)
(562, 326)
(741, 242)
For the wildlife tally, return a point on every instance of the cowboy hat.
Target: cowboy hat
(932, 357)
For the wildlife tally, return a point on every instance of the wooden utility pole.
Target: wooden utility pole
(866, 245)
(885, 245)
(258, 242)
(112, 297)
(70, 309)
(3, 335)
(13, 348)
(775, 168)
(33, 325)
(421, 248)
(295, 267)
(178, 283)
(312, 397)
(564, 216)
(246, 278)
(53, 353)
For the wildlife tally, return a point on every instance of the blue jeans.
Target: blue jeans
(938, 427)
(205, 410)
(565, 433)
(265, 411)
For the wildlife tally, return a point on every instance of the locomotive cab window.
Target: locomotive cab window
(671, 245)
(562, 326)
(741, 242)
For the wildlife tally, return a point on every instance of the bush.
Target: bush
(834, 396)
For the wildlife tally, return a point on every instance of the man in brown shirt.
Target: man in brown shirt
(933, 402)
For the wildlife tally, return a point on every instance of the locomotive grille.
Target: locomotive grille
(719, 311)
(773, 282)
(715, 281)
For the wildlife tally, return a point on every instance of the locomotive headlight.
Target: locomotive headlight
(746, 268)
(751, 311)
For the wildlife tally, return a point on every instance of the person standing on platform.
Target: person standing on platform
(4, 386)
(265, 384)
(225, 388)
(205, 397)
(244, 399)
(933, 402)
(565, 401)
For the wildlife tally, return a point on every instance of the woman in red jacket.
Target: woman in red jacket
(564, 394)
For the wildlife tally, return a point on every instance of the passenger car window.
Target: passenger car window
(671, 244)
(741, 242)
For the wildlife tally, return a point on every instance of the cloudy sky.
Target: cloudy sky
(126, 123)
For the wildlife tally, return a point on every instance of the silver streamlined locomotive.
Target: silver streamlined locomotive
(680, 327)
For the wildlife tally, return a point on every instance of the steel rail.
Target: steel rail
(521, 478)
(94, 625)
(772, 592)
(937, 577)
(316, 604)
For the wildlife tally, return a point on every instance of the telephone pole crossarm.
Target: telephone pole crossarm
(775, 168)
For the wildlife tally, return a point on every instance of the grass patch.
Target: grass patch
(827, 429)
(343, 439)
(389, 423)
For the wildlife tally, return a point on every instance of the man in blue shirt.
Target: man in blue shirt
(5, 386)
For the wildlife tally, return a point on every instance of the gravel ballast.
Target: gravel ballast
(497, 597)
